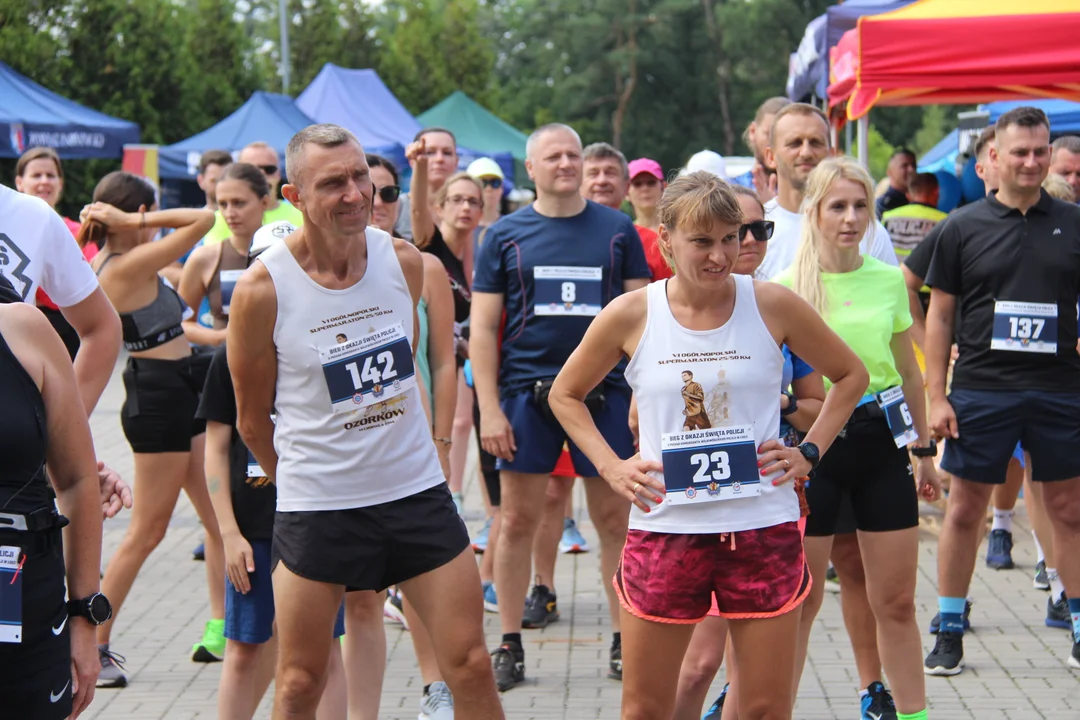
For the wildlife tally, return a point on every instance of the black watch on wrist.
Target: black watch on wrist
(96, 609)
(793, 404)
(927, 452)
(810, 451)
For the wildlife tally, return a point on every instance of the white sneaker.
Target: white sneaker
(437, 703)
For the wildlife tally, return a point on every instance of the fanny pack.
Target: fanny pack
(594, 401)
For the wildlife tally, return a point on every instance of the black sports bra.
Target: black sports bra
(155, 324)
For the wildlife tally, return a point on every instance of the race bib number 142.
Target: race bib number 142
(372, 367)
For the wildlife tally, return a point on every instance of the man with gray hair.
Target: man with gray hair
(606, 175)
(362, 502)
(1065, 161)
(552, 267)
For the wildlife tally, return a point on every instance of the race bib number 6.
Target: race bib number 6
(373, 367)
(567, 290)
(710, 465)
(1025, 327)
(898, 416)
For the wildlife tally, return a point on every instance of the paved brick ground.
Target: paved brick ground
(1016, 666)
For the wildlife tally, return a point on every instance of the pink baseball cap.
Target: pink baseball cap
(645, 165)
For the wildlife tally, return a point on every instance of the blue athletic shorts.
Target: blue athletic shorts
(250, 618)
(540, 440)
(992, 422)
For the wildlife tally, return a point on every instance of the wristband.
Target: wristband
(444, 441)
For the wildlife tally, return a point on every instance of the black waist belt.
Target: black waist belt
(41, 520)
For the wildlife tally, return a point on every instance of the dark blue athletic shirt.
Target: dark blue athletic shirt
(555, 274)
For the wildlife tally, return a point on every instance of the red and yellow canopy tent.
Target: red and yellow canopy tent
(957, 52)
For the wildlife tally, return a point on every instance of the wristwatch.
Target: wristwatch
(810, 451)
(793, 404)
(927, 452)
(95, 608)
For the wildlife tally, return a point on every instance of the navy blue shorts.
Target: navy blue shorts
(991, 422)
(250, 618)
(540, 440)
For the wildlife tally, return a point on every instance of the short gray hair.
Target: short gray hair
(539, 132)
(1066, 142)
(604, 151)
(325, 135)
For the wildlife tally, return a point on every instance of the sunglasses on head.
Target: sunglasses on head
(494, 183)
(389, 194)
(762, 230)
(268, 169)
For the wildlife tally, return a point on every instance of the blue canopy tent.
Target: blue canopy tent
(1064, 120)
(265, 117)
(359, 101)
(31, 116)
(808, 69)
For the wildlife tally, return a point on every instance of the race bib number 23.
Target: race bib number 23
(710, 465)
(369, 368)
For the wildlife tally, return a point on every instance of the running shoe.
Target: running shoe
(999, 551)
(1074, 659)
(491, 600)
(480, 542)
(211, 648)
(1057, 614)
(541, 609)
(832, 580)
(437, 703)
(572, 540)
(717, 708)
(615, 660)
(393, 611)
(199, 553)
(935, 624)
(508, 664)
(459, 502)
(112, 668)
(1041, 581)
(947, 657)
(878, 703)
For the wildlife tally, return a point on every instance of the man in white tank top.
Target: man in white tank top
(362, 501)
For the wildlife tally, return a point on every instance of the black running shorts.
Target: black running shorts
(158, 415)
(877, 476)
(372, 548)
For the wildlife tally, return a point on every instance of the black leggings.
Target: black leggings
(487, 460)
(865, 466)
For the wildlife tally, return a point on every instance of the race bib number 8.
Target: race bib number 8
(1025, 327)
(898, 416)
(567, 290)
(710, 465)
(378, 366)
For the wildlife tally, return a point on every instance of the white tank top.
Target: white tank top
(706, 401)
(351, 430)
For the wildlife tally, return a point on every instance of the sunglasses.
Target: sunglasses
(389, 194)
(762, 230)
(268, 169)
(493, 183)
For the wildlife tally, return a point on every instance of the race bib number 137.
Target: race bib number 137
(369, 368)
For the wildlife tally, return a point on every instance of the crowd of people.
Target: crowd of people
(748, 375)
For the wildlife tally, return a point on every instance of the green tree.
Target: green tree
(220, 52)
(880, 152)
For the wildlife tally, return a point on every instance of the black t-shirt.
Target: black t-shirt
(918, 262)
(988, 254)
(891, 200)
(254, 499)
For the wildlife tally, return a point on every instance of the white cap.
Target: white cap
(706, 160)
(270, 234)
(485, 167)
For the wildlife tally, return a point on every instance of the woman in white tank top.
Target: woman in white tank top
(714, 509)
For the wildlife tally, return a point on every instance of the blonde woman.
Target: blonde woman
(865, 302)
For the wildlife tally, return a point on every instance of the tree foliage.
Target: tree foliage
(658, 78)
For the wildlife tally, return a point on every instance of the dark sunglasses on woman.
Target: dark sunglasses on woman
(389, 194)
(762, 230)
(493, 182)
